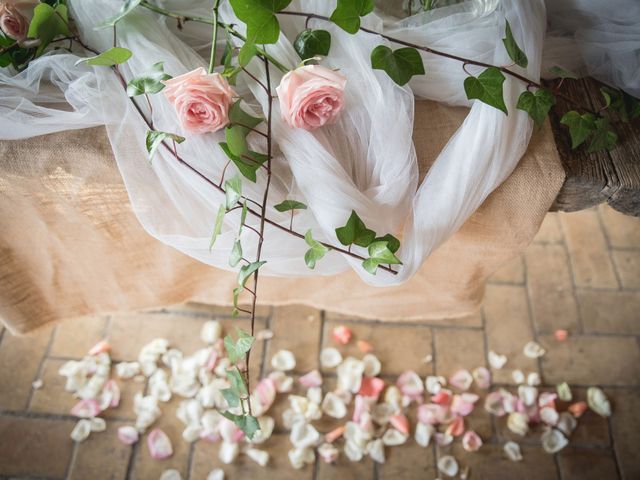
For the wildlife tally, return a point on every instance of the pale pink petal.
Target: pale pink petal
(432, 414)
(456, 428)
(128, 434)
(461, 380)
(482, 377)
(494, 404)
(159, 445)
(100, 347)
(400, 422)
(460, 406)
(342, 334)
(410, 384)
(86, 408)
(364, 346)
(371, 387)
(334, 434)
(443, 397)
(471, 441)
(561, 335)
(328, 453)
(311, 379)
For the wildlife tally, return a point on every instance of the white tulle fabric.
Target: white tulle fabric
(366, 162)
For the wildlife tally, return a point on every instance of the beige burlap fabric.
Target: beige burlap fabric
(71, 246)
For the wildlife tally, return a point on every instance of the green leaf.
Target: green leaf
(230, 347)
(355, 232)
(238, 116)
(126, 8)
(400, 64)
(233, 191)
(580, 126)
(310, 43)
(379, 253)
(236, 140)
(227, 55)
(247, 52)
(244, 343)
(247, 423)
(348, 12)
(230, 396)
(562, 73)
(604, 138)
(625, 105)
(47, 23)
(108, 58)
(243, 216)
(259, 15)
(236, 254)
(218, 226)
(514, 51)
(155, 138)
(237, 383)
(537, 104)
(487, 87)
(288, 205)
(315, 253)
(246, 271)
(248, 164)
(150, 82)
(392, 242)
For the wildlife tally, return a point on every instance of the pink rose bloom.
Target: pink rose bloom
(15, 17)
(201, 100)
(311, 96)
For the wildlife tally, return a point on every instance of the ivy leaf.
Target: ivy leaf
(236, 140)
(150, 82)
(348, 12)
(487, 87)
(627, 106)
(315, 253)
(47, 23)
(580, 126)
(243, 216)
(379, 253)
(355, 232)
(155, 138)
(227, 55)
(236, 254)
(230, 347)
(246, 271)
(233, 191)
(393, 243)
(288, 205)
(247, 52)
(244, 343)
(237, 116)
(310, 43)
(108, 58)
(259, 15)
(562, 73)
(515, 52)
(604, 138)
(229, 395)
(400, 64)
(247, 164)
(126, 8)
(247, 423)
(237, 383)
(537, 104)
(218, 226)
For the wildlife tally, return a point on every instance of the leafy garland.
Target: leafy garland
(50, 24)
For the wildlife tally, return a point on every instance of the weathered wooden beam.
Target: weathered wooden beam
(593, 178)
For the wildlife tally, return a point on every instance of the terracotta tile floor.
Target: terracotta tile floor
(582, 273)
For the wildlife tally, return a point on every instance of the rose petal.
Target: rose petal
(100, 347)
(394, 437)
(512, 450)
(410, 385)
(533, 350)
(432, 414)
(494, 403)
(350, 374)
(127, 370)
(371, 387)
(567, 423)
(448, 465)
(283, 360)
(364, 346)
(211, 331)
(564, 392)
(518, 377)
(159, 445)
(259, 456)
(461, 380)
(334, 434)
(496, 361)
(400, 422)
(443, 397)
(342, 334)
(424, 433)
(549, 415)
(456, 428)
(375, 449)
(328, 453)
(598, 402)
(228, 452)
(171, 474)
(528, 395)
(471, 441)
(303, 435)
(311, 379)
(299, 457)
(372, 365)
(561, 335)
(81, 430)
(86, 408)
(482, 377)
(333, 406)
(443, 439)
(434, 383)
(460, 406)
(518, 423)
(216, 474)
(553, 441)
(330, 358)
(533, 379)
(577, 409)
(282, 381)
(128, 434)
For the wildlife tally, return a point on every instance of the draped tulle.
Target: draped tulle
(366, 162)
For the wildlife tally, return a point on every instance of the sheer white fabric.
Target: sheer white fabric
(366, 162)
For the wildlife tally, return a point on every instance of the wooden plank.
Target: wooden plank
(594, 178)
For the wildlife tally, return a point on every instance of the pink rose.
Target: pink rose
(15, 17)
(311, 96)
(201, 100)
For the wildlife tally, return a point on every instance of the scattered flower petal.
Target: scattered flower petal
(494, 403)
(299, 457)
(228, 452)
(333, 406)
(427, 358)
(211, 331)
(86, 408)
(127, 370)
(434, 384)
(561, 335)
(549, 415)
(171, 474)
(311, 379)
(456, 428)
(533, 350)
(482, 377)
(372, 365)
(577, 409)
(330, 358)
(424, 433)
(598, 401)
(443, 397)
(564, 392)
(443, 439)
(394, 437)
(567, 423)
(528, 395)
(216, 474)
(334, 434)
(303, 435)
(259, 456)
(342, 334)
(471, 441)
(350, 374)
(461, 406)
(533, 379)
(518, 423)
(364, 346)
(496, 361)
(512, 450)
(282, 381)
(375, 449)
(400, 422)
(518, 377)
(432, 414)
(461, 380)
(371, 387)
(128, 434)
(328, 453)
(448, 465)
(98, 424)
(283, 360)
(100, 347)
(37, 384)
(553, 440)
(159, 445)
(264, 334)
(81, 431)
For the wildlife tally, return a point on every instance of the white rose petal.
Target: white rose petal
(372, 365)
(448, 465)
(393, 437)
(171, 474)
(512, 450)
(533, 350)
(211, 331)
(216, 474)
(424, 433)
(81, 431)
(228, 452)
(553, 440)
(333, 406)
(598, 402)
(259, 456)
(375, 449)
(283, 360)
(497, 361)
(330, 358)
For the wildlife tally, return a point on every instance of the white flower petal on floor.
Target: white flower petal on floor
(259, 456)
(512, 450)
(518, 423)
(159, 445)
(283, 382)
(171, 474)
(314, 395)
(528, 395)
(146, 410)
(311, 379)
(533, 379)
(533, 350)
(267, 424)
(372, 366)
(283, 360)
(353, 451)
(328, 453)
(424, 433)
(549, 415)
(598, 401)
(192, 433)
(518, 376)
(216, 474)
(471, 441)
(375, 450)
(496, 360)
(350, 373)
(567, 423)
(158, 385)
(81, 430)
(410, 385)
(462, 380)
(393, 437)
(482, 377)
(228, 452)
(98, 424)
(299, 457)
(126, 370)
(330, 357)
(564, 392)
(553, 440)
(211, 331)
(333, 406)
(448, 465)
(304, 435)
(128, 434)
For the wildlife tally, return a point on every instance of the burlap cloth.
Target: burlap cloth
(70, 244)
